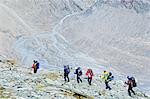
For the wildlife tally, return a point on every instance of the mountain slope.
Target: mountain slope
(113, 33)
(20, 83)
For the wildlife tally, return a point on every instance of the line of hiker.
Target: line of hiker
(106, 76)
(78, 72)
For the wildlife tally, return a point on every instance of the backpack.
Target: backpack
(110, 77)
(134, 82)
(79, 72)
(37, 65)
(66, 69)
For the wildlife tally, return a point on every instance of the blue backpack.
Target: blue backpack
(66, 69)
(110, 77)
(37, 65)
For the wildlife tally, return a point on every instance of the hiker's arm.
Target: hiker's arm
(126, 82)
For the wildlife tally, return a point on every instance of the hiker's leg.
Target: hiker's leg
(132, 91)
(108, 87)
(64, 76)
(35, 70)
(129, 92)
(78, 79)
(90, 81)
(106, 83)
(68, 77)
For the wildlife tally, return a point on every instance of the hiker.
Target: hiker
(78, 72)
(89, 73)
(66, 72)
(131, 83)
(107, 76)
(35, 66)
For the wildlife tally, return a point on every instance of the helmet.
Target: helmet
(34, 61)
(110, 74)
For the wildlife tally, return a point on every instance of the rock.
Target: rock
(2, 88)
(19, 87)
(102, 92)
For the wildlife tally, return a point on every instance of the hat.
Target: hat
(34, 61)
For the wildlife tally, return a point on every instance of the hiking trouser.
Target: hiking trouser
(130, 90)
(79, 79)
(35, 70)
(107, 86)
(89, 80)
(66, 76)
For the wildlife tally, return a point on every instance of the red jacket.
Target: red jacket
(33, 65)
(89, 73)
